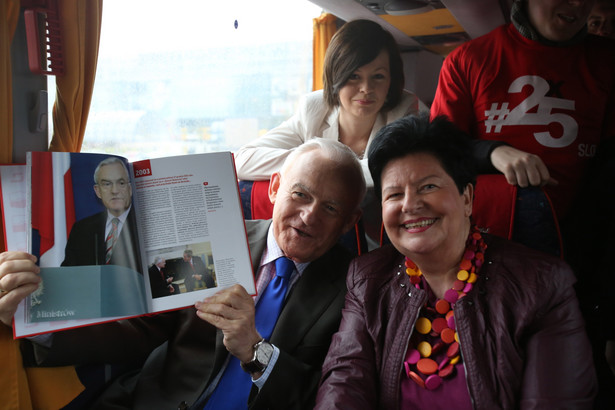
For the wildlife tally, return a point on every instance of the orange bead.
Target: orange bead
(427, 366)
(442, 306)
(417, 379)
(448, 335)
(446, 371)
(465, 264)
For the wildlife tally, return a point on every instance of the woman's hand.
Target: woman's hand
(19, 276)
(521, 168)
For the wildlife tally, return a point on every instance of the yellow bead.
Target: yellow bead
(423, 325)
(455, 359)
(424, 349)
(472, 278)
(463, 275)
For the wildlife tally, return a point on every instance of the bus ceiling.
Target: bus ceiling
(433, 25)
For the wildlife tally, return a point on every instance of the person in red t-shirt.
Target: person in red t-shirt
(540, 90)
(538, 95)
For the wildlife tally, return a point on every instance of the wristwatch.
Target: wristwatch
(263, 350)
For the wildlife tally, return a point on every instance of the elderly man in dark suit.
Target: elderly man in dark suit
(110, 236)
(191, 355)
(159, 281)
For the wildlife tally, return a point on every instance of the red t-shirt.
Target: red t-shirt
(555, 102)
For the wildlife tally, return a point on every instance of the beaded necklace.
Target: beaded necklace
(435, 327)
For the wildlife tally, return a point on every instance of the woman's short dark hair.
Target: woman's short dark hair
(355, 44)
(416, 134)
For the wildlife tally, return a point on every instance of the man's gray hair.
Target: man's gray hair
(158, 259)
(335, 151)
(109, 161)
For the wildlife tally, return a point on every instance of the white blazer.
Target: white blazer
(262, 157)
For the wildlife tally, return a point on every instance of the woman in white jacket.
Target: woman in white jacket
(363, 91)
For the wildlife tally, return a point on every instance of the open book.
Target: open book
(118, 240)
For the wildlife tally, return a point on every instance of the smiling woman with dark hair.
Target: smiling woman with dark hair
(363, 91)
(447, 316)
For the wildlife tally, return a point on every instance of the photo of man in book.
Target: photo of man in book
(196, 275)
(160, 280)
(108, 237)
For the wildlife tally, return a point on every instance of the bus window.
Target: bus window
(193, 76)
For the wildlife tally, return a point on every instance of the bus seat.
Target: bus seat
(494, 211)
(494, 205)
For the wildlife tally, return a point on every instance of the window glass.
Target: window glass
(192, 76)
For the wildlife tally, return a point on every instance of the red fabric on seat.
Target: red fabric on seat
(262, 208)
(493, 210)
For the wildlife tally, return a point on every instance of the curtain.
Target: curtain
(80, 22)
(9, 15)
(33, 388)
(25, 388)
(324, 28)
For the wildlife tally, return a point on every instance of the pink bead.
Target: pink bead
(443, 363)
(458, 285)
(433, 382)
(469, 254)
(451, 296)
(413, 356)
(451, 322)
(468, 287)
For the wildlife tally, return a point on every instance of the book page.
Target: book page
(66, 226)
(13, 193)
(191, 228)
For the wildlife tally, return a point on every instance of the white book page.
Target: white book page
(13, 182)
(192, 203)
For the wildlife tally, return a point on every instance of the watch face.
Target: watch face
(263, 353)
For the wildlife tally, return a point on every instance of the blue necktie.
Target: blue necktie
(234, 387)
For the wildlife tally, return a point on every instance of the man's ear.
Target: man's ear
(97, 190)
(353, 218)
(274, 185)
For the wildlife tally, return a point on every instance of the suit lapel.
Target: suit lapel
(101, 246)
(330, 128)
(318, 287)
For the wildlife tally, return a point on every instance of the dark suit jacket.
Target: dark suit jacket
(86, 243)
(197, 268)
(190, 351)
(158, 282)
